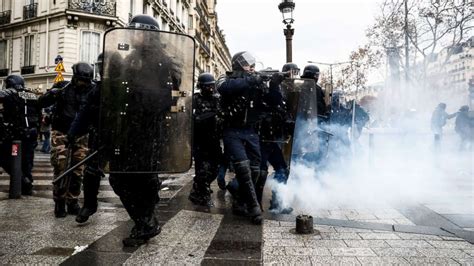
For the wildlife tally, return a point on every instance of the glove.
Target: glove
(277, 78)
(254, 80)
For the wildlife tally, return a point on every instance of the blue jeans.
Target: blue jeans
(47, 141)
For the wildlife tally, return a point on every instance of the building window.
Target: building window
(30, 9)
(90, 46)
(28, 50)
(190, 22)
(3, 59)
(3, 54)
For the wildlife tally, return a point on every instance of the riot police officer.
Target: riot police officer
(68, 99)
(270, 149)
(21, 116)
(312, 72)
(207, 151)
(138, 189)
(87, 122)
(241, 94)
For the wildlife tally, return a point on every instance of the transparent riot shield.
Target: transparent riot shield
(146, 101)
(301, 103)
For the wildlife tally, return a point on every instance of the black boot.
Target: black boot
(84, 214)
(238, 206)
(73, 207)
(26, 186)
(247, 190)
(260, 185)
(60, 208)
(275, 205)
(201, 195)
(143, 230)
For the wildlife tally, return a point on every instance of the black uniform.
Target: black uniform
(87, 122)
(207, 151)
(241, 95)
(273, 130)
(66, 103)
(150, 74)
(21, 116)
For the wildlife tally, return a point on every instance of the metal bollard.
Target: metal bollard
(16, 172)
(304, 224)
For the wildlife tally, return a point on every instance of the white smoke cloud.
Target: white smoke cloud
(402, 168)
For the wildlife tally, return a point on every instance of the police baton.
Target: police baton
(74, 167)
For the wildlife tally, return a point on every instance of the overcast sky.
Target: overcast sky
(325, 30)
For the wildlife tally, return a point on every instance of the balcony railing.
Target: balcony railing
(203, 20)
(202, 44)
(4, 72)
(27, 70)
(164, 2)
(30, 11)
(103, 8)
(5, 17)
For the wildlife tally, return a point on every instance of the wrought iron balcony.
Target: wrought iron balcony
(5, 17)
(103, 8)
(30, 11)
(202, 19)
(27, 70)
(4, 72)
(202, 44)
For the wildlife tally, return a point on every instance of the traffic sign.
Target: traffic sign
(59, 77)
(59, 67)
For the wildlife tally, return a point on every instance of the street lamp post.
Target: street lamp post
(286, 8)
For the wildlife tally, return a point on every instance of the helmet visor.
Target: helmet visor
(246, 59)
(294, 72)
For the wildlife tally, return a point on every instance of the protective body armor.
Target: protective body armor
(20, 113)
(242, 109)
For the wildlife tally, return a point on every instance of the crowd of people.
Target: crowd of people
(241, 122)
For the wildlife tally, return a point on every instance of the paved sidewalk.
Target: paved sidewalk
(352, 246)
(194, 235)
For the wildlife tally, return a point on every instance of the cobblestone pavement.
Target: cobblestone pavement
(29, 233)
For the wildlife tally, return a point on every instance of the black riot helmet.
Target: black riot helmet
(206, 83)
(14, 82)
(311, 72)
(82, 71)
(241, 60)
(143, 22)
(291, 67)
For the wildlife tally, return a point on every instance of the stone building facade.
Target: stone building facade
(34, 32)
